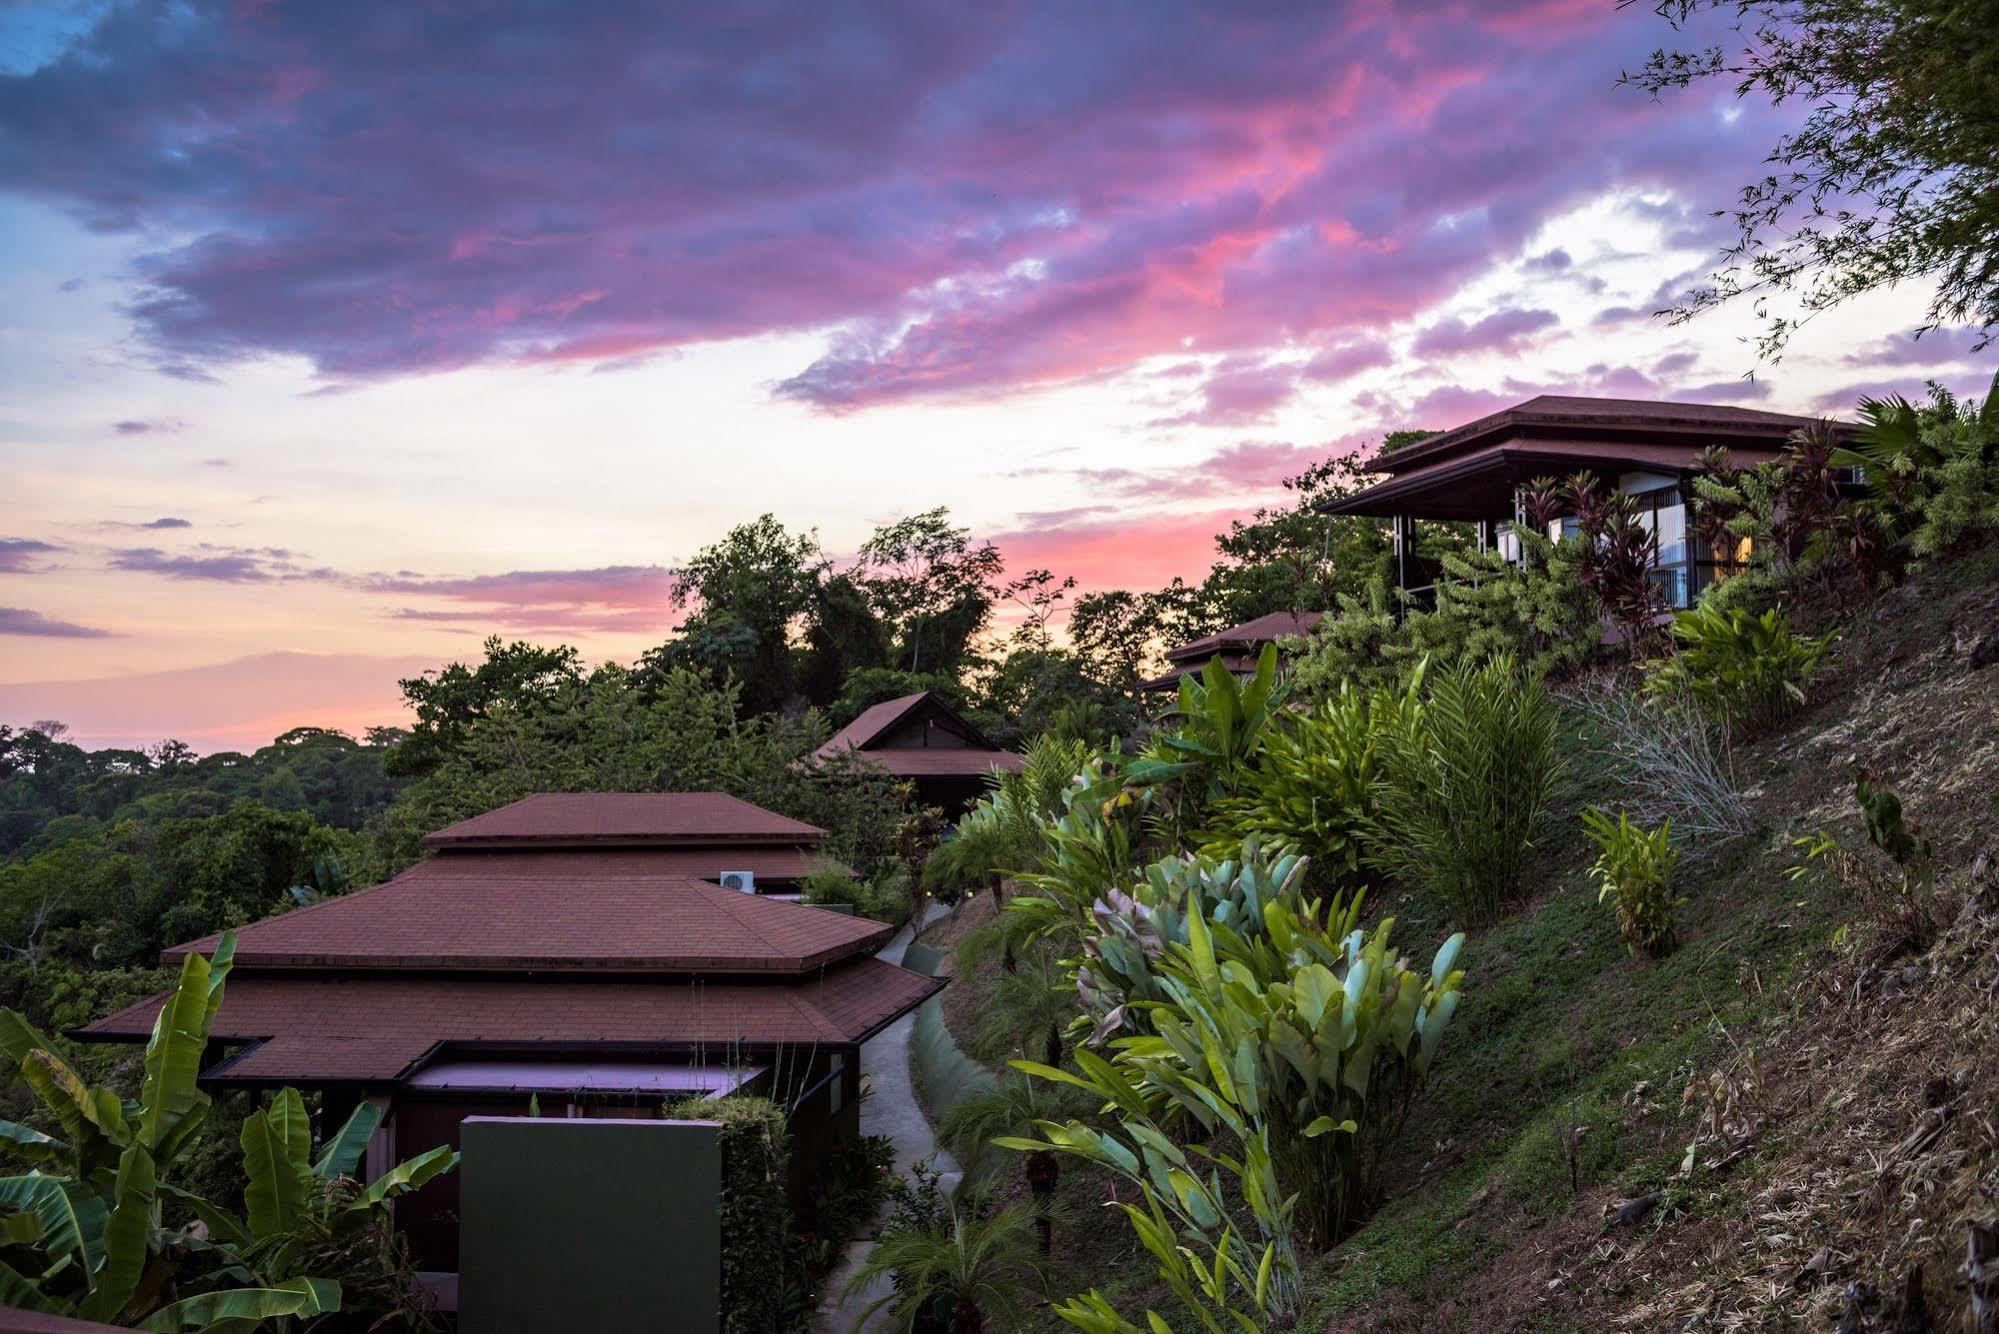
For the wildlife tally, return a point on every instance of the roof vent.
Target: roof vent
(743, 882)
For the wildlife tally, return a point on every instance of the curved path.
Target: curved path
(890, 1109)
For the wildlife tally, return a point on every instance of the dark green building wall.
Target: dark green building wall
(581, 1224)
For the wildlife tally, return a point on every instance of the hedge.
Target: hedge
(756, 1213)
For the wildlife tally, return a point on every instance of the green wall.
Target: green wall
(589, 1225)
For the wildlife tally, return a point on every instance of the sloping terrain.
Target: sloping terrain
(1779, 1121)
(1769, 1129)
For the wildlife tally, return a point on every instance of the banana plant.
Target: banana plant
(91, 1208)
(298, 1208)
(95, 1193)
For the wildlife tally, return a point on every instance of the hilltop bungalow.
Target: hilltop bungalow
(564, 950)
(920, 738)
(1238, 647)
(1649, 450)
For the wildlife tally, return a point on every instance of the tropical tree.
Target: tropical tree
(1890, 177)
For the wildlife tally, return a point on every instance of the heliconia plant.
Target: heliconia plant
(1295, 1049)
(1130, 931)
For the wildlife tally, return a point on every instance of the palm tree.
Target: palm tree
(1013, 1109)
(975, 1269)
(1036, 999)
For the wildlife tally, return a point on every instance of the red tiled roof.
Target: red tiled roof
(608, 910)
(1571, 414)
(600, 819)
(976, 758)
(874, 720)
(1249, 635)
(374, 1029)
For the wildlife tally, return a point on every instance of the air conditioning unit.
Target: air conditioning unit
(743, 882)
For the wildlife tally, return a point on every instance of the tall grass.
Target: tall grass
(1465, 784)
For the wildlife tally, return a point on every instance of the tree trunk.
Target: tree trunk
(965, 1317)
(1051, 1052)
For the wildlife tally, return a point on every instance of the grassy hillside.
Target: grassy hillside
(1780, 1119)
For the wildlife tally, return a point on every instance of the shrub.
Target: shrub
(1465, 787)
(1295, 1053)
(1743, 669)
(885, 897)
(756, 1214)
(1932, 471)
(953, 1267)
(1131, 931)
(1635, 866)
(1313, 787)
(1538, 611)
(1903, 901)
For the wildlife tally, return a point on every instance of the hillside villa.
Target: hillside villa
(574, 950)
(1238, 647)
(1649, 450)
(921, 739)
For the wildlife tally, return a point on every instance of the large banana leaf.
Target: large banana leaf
(274, 1169)
(31, 1144)
(128, 1234)
(180, 1036)
(222, 1225)
(72, 1215)
(303, 1297)
(407, 1176)
(20, 1229)
(20, 1293)
(341, 1155)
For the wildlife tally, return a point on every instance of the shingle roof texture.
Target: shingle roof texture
(646, 818)
(372, 1029)
(608, 910)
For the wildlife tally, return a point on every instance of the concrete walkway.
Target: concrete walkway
(891, 1109)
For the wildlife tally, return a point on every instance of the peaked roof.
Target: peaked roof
(599, 911)
(1565, 414)
(1249, 635)
(629, 819)
(878, 720)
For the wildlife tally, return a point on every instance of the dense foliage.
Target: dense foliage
(93, 1214)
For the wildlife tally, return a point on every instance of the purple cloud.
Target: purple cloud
(974, 203)
(139, 426)
(1503, 331)
(1347, 360)
(610, 598)
(218, 564)
(17, 554)
(1724, 391)
(22, 621)
(159, 524)
(1239, 394)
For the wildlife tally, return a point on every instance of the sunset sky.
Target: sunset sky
(334, 337)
